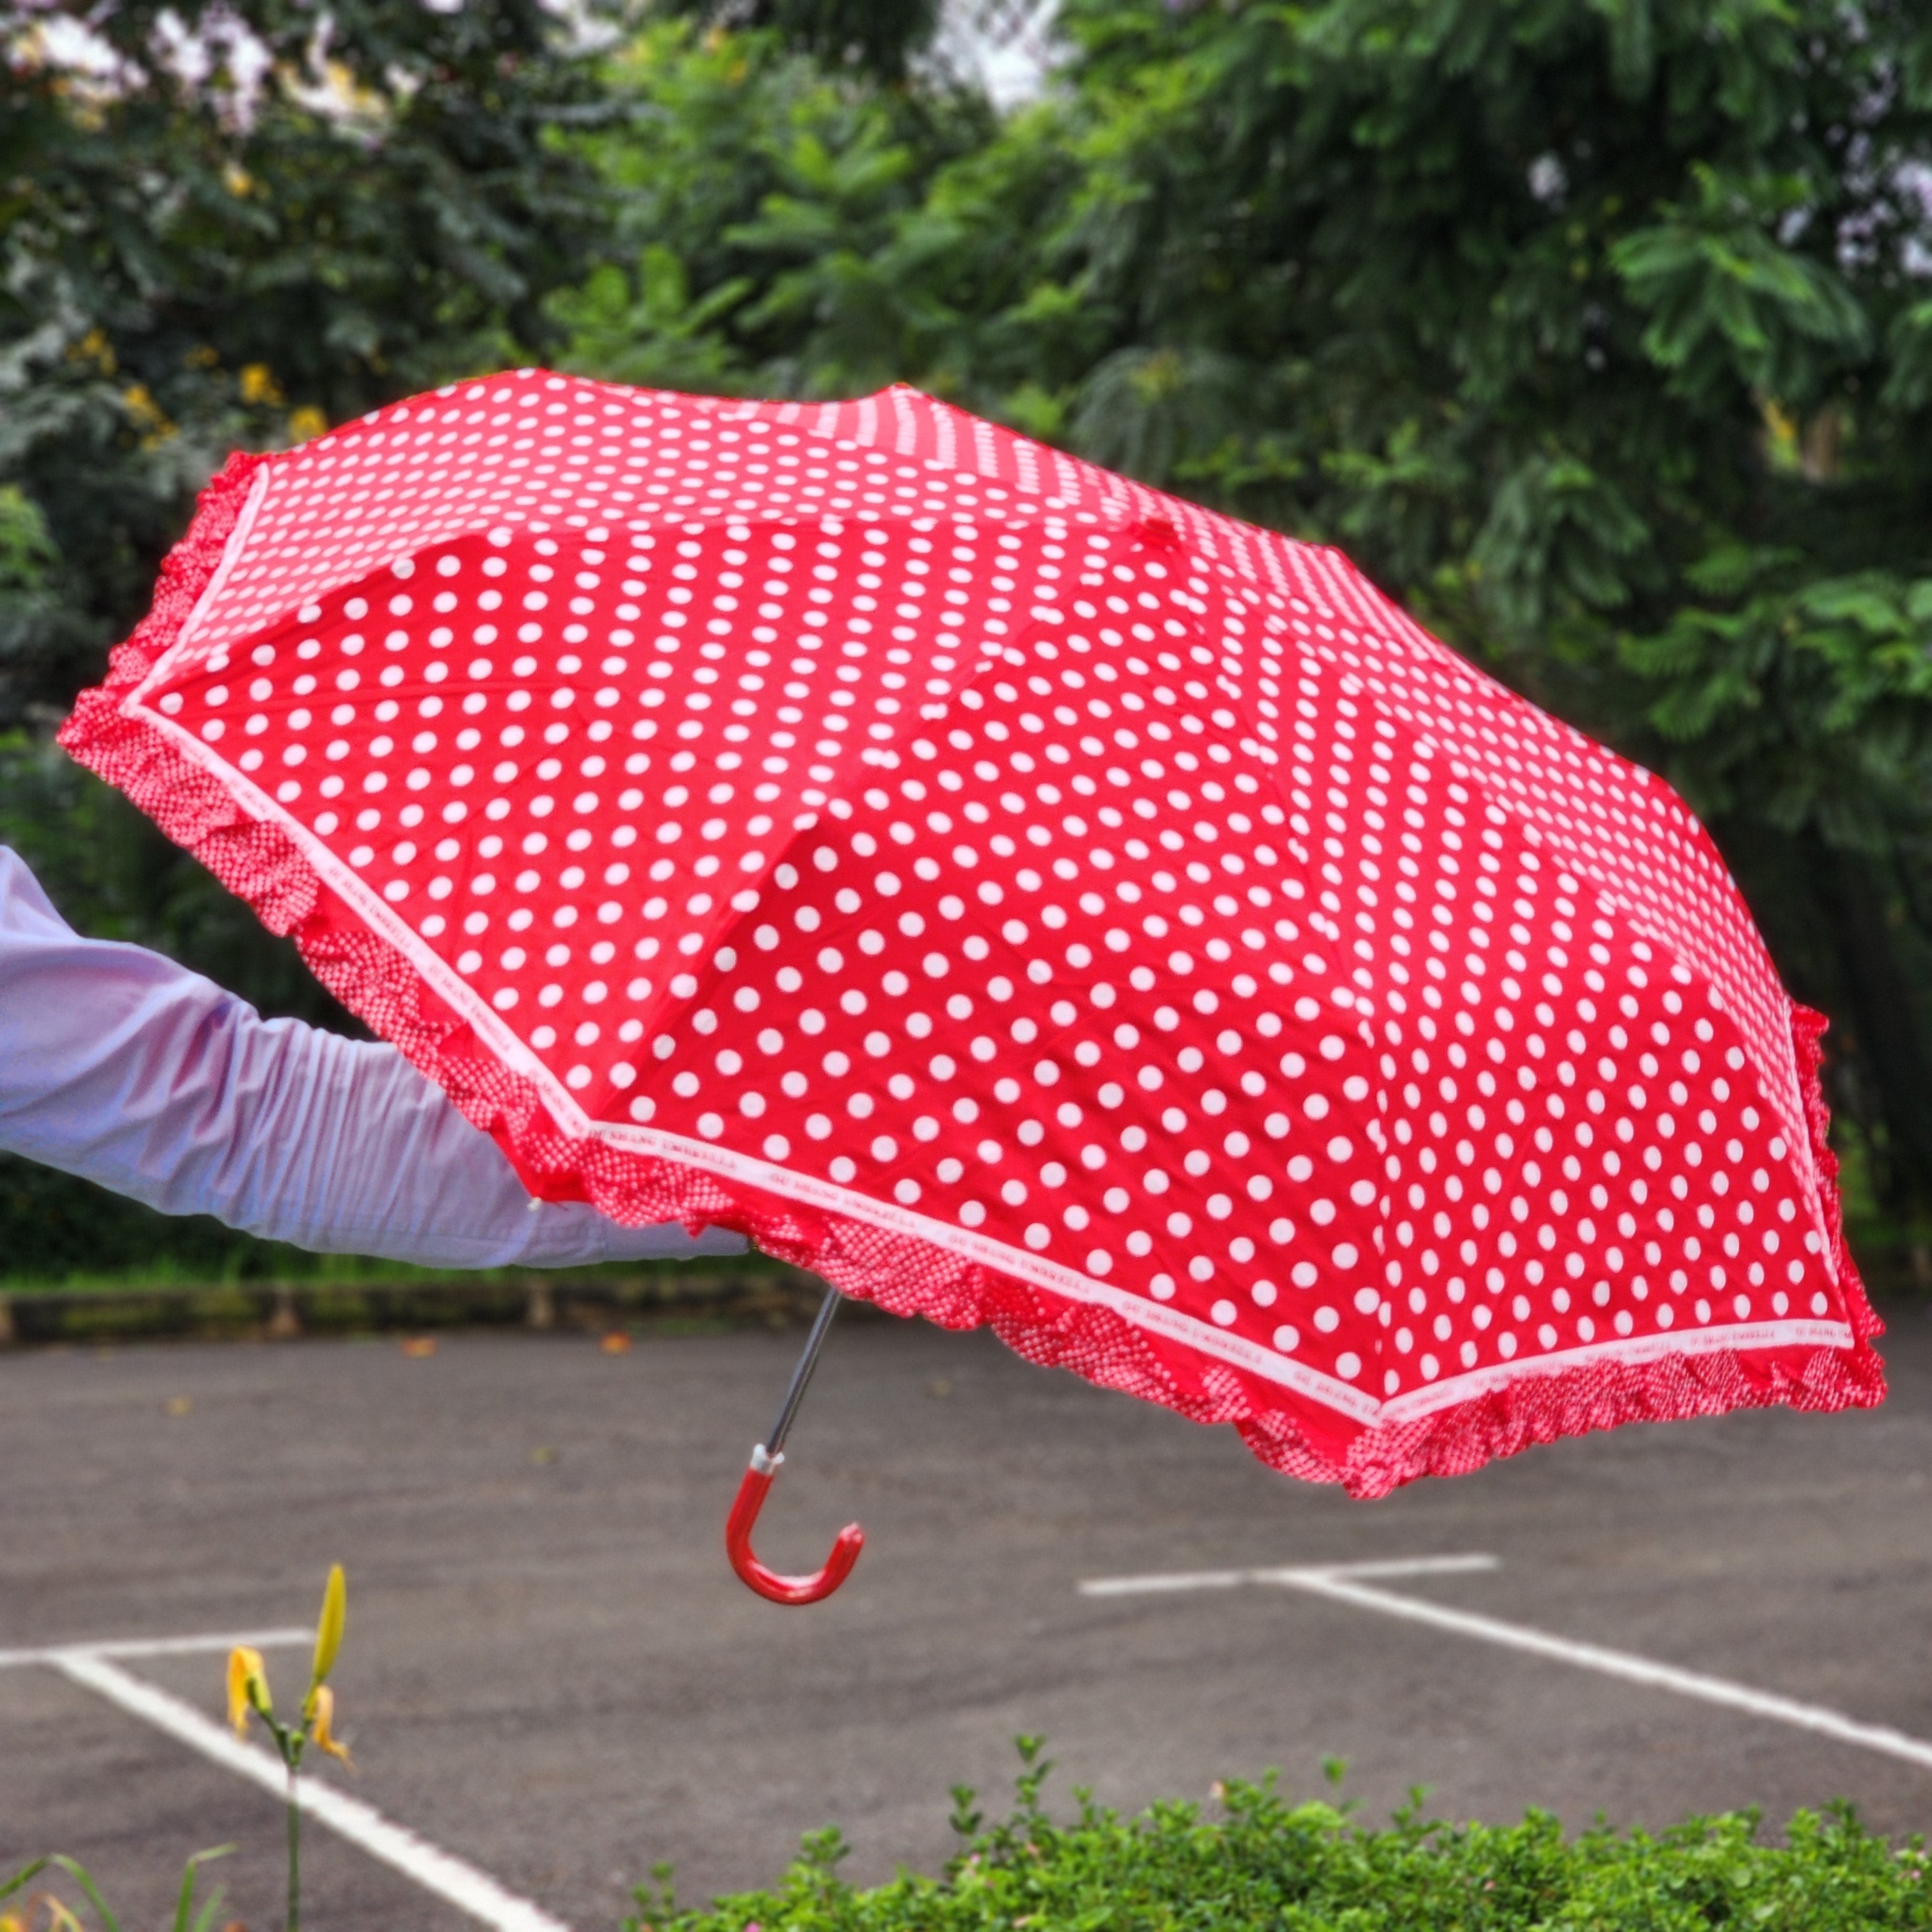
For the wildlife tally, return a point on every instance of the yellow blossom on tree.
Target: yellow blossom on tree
(95, 347)
(259, 384)
(147, 415)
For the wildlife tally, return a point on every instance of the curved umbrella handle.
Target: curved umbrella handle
(738, 1527)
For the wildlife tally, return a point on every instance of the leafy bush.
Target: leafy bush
(1267, 1864)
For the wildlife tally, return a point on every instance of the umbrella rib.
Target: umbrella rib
(774, 1441)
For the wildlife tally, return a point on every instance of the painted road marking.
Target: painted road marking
(1229, 1580)
(95, 1667)
(1347, 1583)
(156, 1646)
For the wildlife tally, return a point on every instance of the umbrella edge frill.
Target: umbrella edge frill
(1542, 1406)
(261, 864)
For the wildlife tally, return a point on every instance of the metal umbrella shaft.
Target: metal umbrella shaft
(773, 1445)
(756, 1485)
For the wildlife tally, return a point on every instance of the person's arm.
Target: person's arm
(117, 1064)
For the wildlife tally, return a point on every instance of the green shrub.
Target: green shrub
(1265, 1863)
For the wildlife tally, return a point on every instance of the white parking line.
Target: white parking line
(1343, 1583)
(155, 1646)
(1229, 1580)
(94, 1666)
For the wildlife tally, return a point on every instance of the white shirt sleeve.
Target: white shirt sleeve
(117, 1064)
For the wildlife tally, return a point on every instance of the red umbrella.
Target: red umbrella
(1018, 896)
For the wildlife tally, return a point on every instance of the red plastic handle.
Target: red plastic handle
(739, 1526)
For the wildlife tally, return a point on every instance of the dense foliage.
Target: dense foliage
(1599, 331)
(235, 225)
(1264, 1864)
(877, 38)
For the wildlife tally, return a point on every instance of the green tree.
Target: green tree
(234, 225)
(1598, 330)
(783, 226)
(879, 39)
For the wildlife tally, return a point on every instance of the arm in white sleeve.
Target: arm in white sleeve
(117, 1064)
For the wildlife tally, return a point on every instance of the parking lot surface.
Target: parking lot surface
(551, 1673)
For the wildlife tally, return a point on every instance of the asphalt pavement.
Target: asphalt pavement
(551, 1672)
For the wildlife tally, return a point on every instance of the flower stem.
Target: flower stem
(295, 1856)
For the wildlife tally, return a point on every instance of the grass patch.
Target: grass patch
(704, 1295)
(1258, 1861)
(279, 1266)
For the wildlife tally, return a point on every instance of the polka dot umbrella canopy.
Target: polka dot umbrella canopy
(1017, 896)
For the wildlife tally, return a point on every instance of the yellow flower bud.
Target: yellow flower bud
(328, 1631)
(247, 1686)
